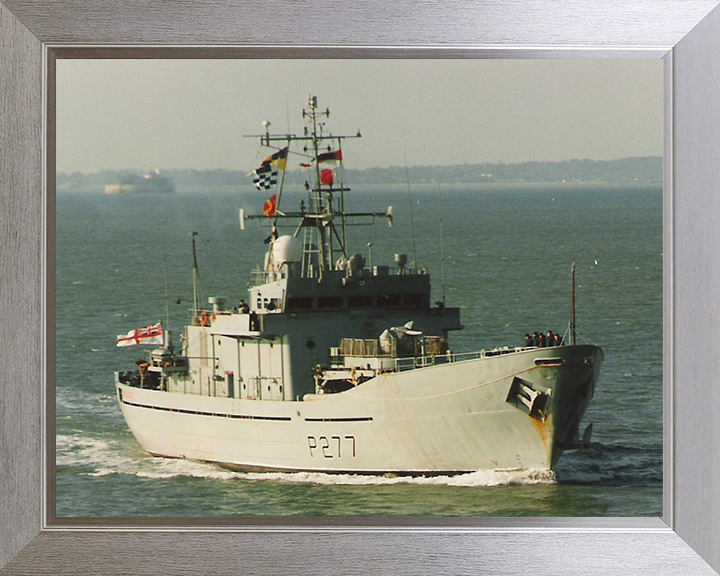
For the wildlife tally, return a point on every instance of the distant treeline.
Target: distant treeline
(627, 170)
(646, 169)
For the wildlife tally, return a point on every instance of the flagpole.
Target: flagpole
(196, 278)
(412, 219)
(321, 233)
(341, 174)
(573, 333)
(442, 245)
(280, 190)
(167, 298)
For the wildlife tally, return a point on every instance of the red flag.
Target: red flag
(327, 177)
(335, 156)
(270, 206)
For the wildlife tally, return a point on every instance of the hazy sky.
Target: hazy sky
(145, 114)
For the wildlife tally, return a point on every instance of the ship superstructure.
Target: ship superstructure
(335, 365)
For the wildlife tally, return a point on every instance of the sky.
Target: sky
(176, 114)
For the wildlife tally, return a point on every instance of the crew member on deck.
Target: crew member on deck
(550, 338)
(244, 308)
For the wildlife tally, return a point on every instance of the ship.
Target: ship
(149, 183)
(332, 365)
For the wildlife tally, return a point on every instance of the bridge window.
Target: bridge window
(299, 303)
(330, 302)
(389, 299)
(414, 299)
(360, 301)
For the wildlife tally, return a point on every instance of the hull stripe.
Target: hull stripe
(360, 419)
(215, 414)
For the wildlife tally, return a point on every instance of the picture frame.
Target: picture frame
(685, 33)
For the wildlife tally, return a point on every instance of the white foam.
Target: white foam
(164, 468)
(168, 468)
(81, 451)
(69, 443)
(106, 458)
(473, 479)
(103, 472)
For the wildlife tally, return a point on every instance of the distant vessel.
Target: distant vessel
(150, 183)
(336, 365)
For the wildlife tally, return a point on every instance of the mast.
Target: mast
(197, 290)
(442, 244)
(342, 199)
(323, 224)
(573, 334)
(410, 206)
(325, 240)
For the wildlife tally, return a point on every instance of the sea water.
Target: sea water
(502, 253)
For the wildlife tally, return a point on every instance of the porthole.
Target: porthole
(310, 344)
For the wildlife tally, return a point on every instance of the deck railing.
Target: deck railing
(403, 364)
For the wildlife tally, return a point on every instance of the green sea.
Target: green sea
(502, 253)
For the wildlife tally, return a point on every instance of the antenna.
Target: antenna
(442, 243)
(197, 290)
(167, 299)
(573, 333)
(412, 219)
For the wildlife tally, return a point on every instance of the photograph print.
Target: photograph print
(321, 288)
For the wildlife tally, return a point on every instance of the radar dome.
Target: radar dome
(287, 249)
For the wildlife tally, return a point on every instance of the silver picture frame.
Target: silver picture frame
(684, 33)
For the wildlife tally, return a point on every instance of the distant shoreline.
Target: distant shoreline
(626, 171)
(416, 188)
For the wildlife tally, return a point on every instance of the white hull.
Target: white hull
(444, 419)
(335, 366)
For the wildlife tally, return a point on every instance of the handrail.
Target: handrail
(403, 364)
(259, 277)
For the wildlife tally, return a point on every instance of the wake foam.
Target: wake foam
(101, 456)
(106, 457)
(472, 479)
